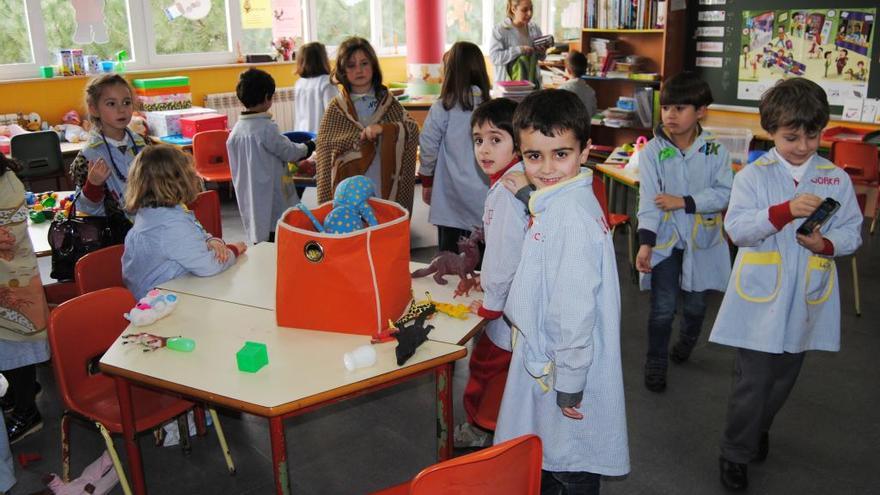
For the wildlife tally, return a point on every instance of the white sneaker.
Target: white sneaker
(469, 436)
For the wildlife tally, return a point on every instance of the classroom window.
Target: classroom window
(188, 27)
(97, 31)
(15, 38)
(464, 21)
(393, 27)
(340, 19)
(567, 17)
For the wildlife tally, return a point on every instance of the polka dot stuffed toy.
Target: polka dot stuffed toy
(351, 211)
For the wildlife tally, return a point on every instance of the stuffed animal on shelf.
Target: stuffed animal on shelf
(449, 263)
(31, 121)
(11, 130)
(71, 129)
(152, 307)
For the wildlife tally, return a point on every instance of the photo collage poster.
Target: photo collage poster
(829, 46)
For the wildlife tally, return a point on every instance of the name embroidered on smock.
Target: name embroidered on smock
(710, 148)
(826, 181)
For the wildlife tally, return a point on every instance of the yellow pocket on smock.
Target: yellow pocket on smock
(759, 276)
(707, 231)
(667, 236)
(819, 281)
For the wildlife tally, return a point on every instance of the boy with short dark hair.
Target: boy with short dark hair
(565, 382)
(783, 299)
(504, 227)
(258, 156)
(684, 185)
(576, 68)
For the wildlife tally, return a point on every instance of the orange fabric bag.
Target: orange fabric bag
(348, 283)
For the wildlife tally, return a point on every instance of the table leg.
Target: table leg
(444, 412)
(129, 436)
(279, 455)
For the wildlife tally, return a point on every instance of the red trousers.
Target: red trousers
(487, 361)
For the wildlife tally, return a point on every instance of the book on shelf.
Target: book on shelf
(645, 106)
(625, 14)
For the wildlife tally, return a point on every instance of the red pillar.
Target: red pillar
(425, 42)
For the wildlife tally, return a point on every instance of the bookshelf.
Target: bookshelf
(662, 48)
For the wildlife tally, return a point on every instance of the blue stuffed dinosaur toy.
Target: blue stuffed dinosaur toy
(351, 210)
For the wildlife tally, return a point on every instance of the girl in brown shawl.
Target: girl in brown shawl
(365, 131)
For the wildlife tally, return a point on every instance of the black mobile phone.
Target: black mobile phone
(819, 217)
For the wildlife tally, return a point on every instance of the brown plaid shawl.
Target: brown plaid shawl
(342, 154)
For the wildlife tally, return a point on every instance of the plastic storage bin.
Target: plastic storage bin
(737, 140)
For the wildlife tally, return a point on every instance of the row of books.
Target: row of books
(625, 14)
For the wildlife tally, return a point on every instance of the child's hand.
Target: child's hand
(98, 172)
(478, 286)
(668, 202)
(643, 259)
(241, 246)
(804, 205)
(475, 306)
(572, 412)
(526, 50)
(426, 195)
(514, 181)
(371, 132)
(814, 242)
(219, 248)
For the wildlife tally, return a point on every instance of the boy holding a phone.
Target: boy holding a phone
(782, 299)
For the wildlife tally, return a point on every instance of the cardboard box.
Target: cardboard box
(191, 125)
(161, 82)
(157, 103)
(167, 122)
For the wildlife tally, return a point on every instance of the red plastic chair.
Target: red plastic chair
(80, 331)
(862, 163)
(616, 220)
(509, 468)
(210, 158)
(206, 208)
(99, 269)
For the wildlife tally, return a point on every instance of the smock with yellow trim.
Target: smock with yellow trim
(565, 304)
(782, 297)
(702, 175)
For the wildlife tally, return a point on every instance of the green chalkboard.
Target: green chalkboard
(766, 40)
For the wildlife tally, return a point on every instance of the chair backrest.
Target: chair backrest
(860, 160)
(209, 150)
(509, 468)
(100, 269)
(599, 192)
(206, 208)
(39, 154)
(81, 330)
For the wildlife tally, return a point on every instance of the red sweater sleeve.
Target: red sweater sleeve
(780, 215)
(489, 314)
(93, 192)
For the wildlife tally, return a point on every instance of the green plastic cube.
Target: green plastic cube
(252, 357)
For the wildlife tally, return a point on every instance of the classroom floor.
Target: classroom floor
(825, 440)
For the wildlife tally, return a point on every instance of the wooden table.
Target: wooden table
(418, 107)
(305, 372)
(752, 121)
(251, 282)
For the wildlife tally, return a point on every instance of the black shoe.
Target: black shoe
(734, 476)
(655, 376)
(763, 448)
(8, 401)
(19, 425)
(680, 352)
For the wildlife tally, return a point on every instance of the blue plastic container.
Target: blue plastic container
(300, 136)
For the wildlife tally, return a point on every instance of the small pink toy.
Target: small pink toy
(151, 308)
(97, 478)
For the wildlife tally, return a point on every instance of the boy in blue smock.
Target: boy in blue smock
(684, 184)
(783, 297)
(565, 382)
(258, 156)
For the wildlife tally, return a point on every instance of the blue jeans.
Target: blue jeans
(665, 286)
(569, 483)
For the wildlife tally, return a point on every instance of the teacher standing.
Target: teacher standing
(511, 50)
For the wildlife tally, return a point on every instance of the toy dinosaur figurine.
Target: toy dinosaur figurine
(466, 285)
(409, 338)
(415, 310)
(459, 311)
(449, 263)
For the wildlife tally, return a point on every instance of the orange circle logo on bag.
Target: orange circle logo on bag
(314, 252)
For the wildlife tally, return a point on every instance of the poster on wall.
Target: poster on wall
(829, 46)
